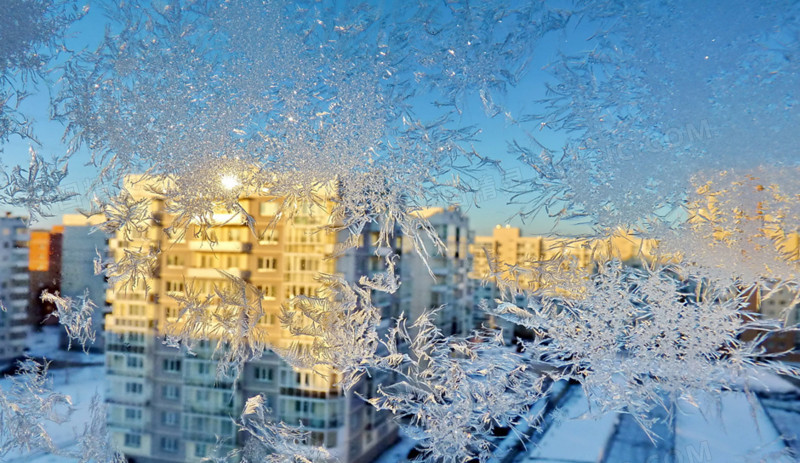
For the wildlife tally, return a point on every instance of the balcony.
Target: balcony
(19, 289)
(215, 274)
(221, 246)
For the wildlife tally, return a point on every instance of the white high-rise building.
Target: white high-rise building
(79, 248)
(449, 288)
(13, 288)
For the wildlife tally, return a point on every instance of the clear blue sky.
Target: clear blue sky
(492, 207)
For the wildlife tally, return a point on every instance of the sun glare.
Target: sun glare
(229, 182)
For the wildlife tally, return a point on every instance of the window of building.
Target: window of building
(203, 368)
(232, 233)
(133, 440)
(232, 261)
(207, 261)
(202, 395)
(330, 440)
(171, 391)
(174, 286)
(134, 361)
(169, 418)
(172, 365)
(133, 388)
(200, 450)
(133, 414)
(317, 438)
(268, 208)
(264, 374)
(136, 310)
(267, 291)
(270, 237)
(169, 444)
(267, 263)
(175, 260)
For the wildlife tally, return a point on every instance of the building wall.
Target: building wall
(165, 405)
(444, 281)
(79, 249)
(507, 247)
(44, 267)
(13, 288)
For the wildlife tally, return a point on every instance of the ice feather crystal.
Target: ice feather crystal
(342, 324)
(35, 188)
(268, 441)
(75, 316)
(27, 406)
(452, 392)
(95, 444)
(635, 337)
(366, 108)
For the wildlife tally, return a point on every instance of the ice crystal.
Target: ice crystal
(230, 318)
(452, 392)
(75, 316)
(27, 406)
(95, 445)
(342, 324)
(635, 337)
(32, 34)
(194, 320)
(234, 325)
(627, 102)
(36, 188)
(207, 92)
(268, 441)
(366, 108)
(742, 228)
(131, 271)
(124, 214)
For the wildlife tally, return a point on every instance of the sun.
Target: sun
(229, 182)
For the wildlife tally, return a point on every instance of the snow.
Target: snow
(767, 382)
(81, 384)
(399, 451)
(732, 429)
(45, 344)
(576, 438)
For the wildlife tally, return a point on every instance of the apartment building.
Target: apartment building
(507, 247)
(44, 266)
(443, 281)
(79, 248)
(13, 289)
(166, 406)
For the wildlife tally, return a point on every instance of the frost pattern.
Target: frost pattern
(230, 317)
(27, 406)
(35, 188)
(342, 323)
(454, 391)
(637, 339)
(272, 442)
(743, 228)
(74, 316)
(95, 445)
(131, 271)
(314, 102)
(31, 36)
(627, 101)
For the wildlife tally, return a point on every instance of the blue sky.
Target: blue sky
(492, 207)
